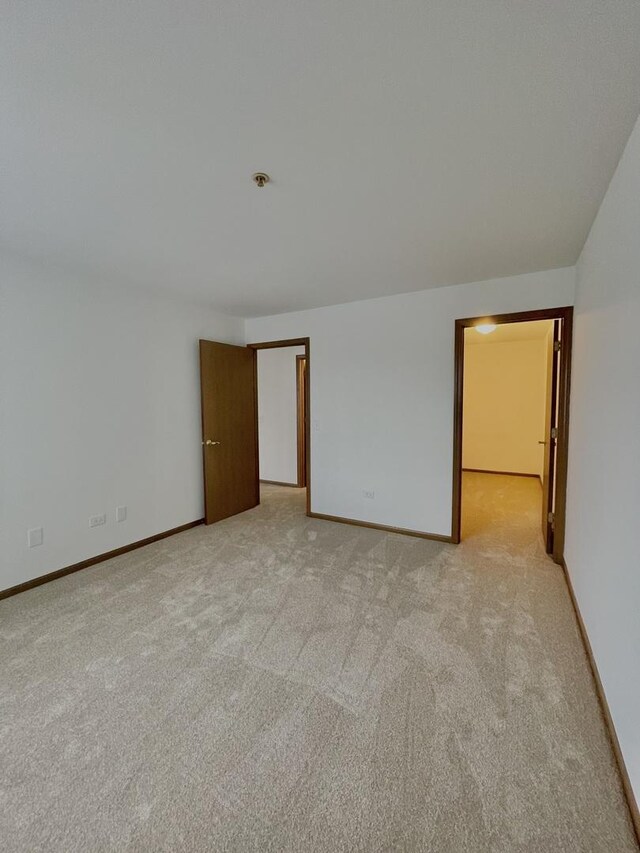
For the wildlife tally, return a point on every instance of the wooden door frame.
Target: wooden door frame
(562, 448)
(291, 342)
(302, 392)
(548, 479)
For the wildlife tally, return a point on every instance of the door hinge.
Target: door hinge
(557, 346)
(554, 432)
(550, 518)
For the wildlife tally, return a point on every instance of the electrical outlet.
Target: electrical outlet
(97, 520)
(368, 494)
(121, 513)
(35, 537)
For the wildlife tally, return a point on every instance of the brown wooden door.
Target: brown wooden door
(550, 438)
(229, 429)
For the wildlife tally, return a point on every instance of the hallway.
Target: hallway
(500, 508)
(275, 682)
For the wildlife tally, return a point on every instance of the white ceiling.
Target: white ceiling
(507, 332)
(411, 144)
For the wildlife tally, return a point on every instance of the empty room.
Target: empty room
(319, 405)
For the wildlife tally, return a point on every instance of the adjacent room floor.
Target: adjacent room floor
(279, 683)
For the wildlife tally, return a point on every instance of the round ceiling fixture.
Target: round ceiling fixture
(261, 178)
(485, 328)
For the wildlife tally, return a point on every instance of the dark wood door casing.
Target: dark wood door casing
(295, 342)
(550, 439)
(565, 317)
(301, 416)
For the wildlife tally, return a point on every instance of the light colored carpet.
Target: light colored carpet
(278, 683)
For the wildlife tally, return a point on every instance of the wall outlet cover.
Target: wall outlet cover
(97, 520)
(121, 513)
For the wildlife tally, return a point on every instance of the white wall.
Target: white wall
(603, 519)
(278, 413)
(381, 385)
(505, 389)
(100, 406)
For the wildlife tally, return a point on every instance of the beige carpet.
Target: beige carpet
(277, 683)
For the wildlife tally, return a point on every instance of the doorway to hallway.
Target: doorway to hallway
(511, 415)
(230, 424)
(282, 370)
(281, 373)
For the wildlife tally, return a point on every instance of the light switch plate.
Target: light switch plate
(121, 513)
(35, 537)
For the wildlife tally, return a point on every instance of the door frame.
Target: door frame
(290, 342)
(564, 314)
(302, 392)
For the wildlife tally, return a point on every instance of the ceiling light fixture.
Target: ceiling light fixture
(261, 178)
(485, 328)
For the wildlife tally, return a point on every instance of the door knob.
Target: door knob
(542, 442)
(209, 442)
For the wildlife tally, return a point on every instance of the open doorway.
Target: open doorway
(511, 420)
(281, 438)
(230, 435)
(282, 370)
